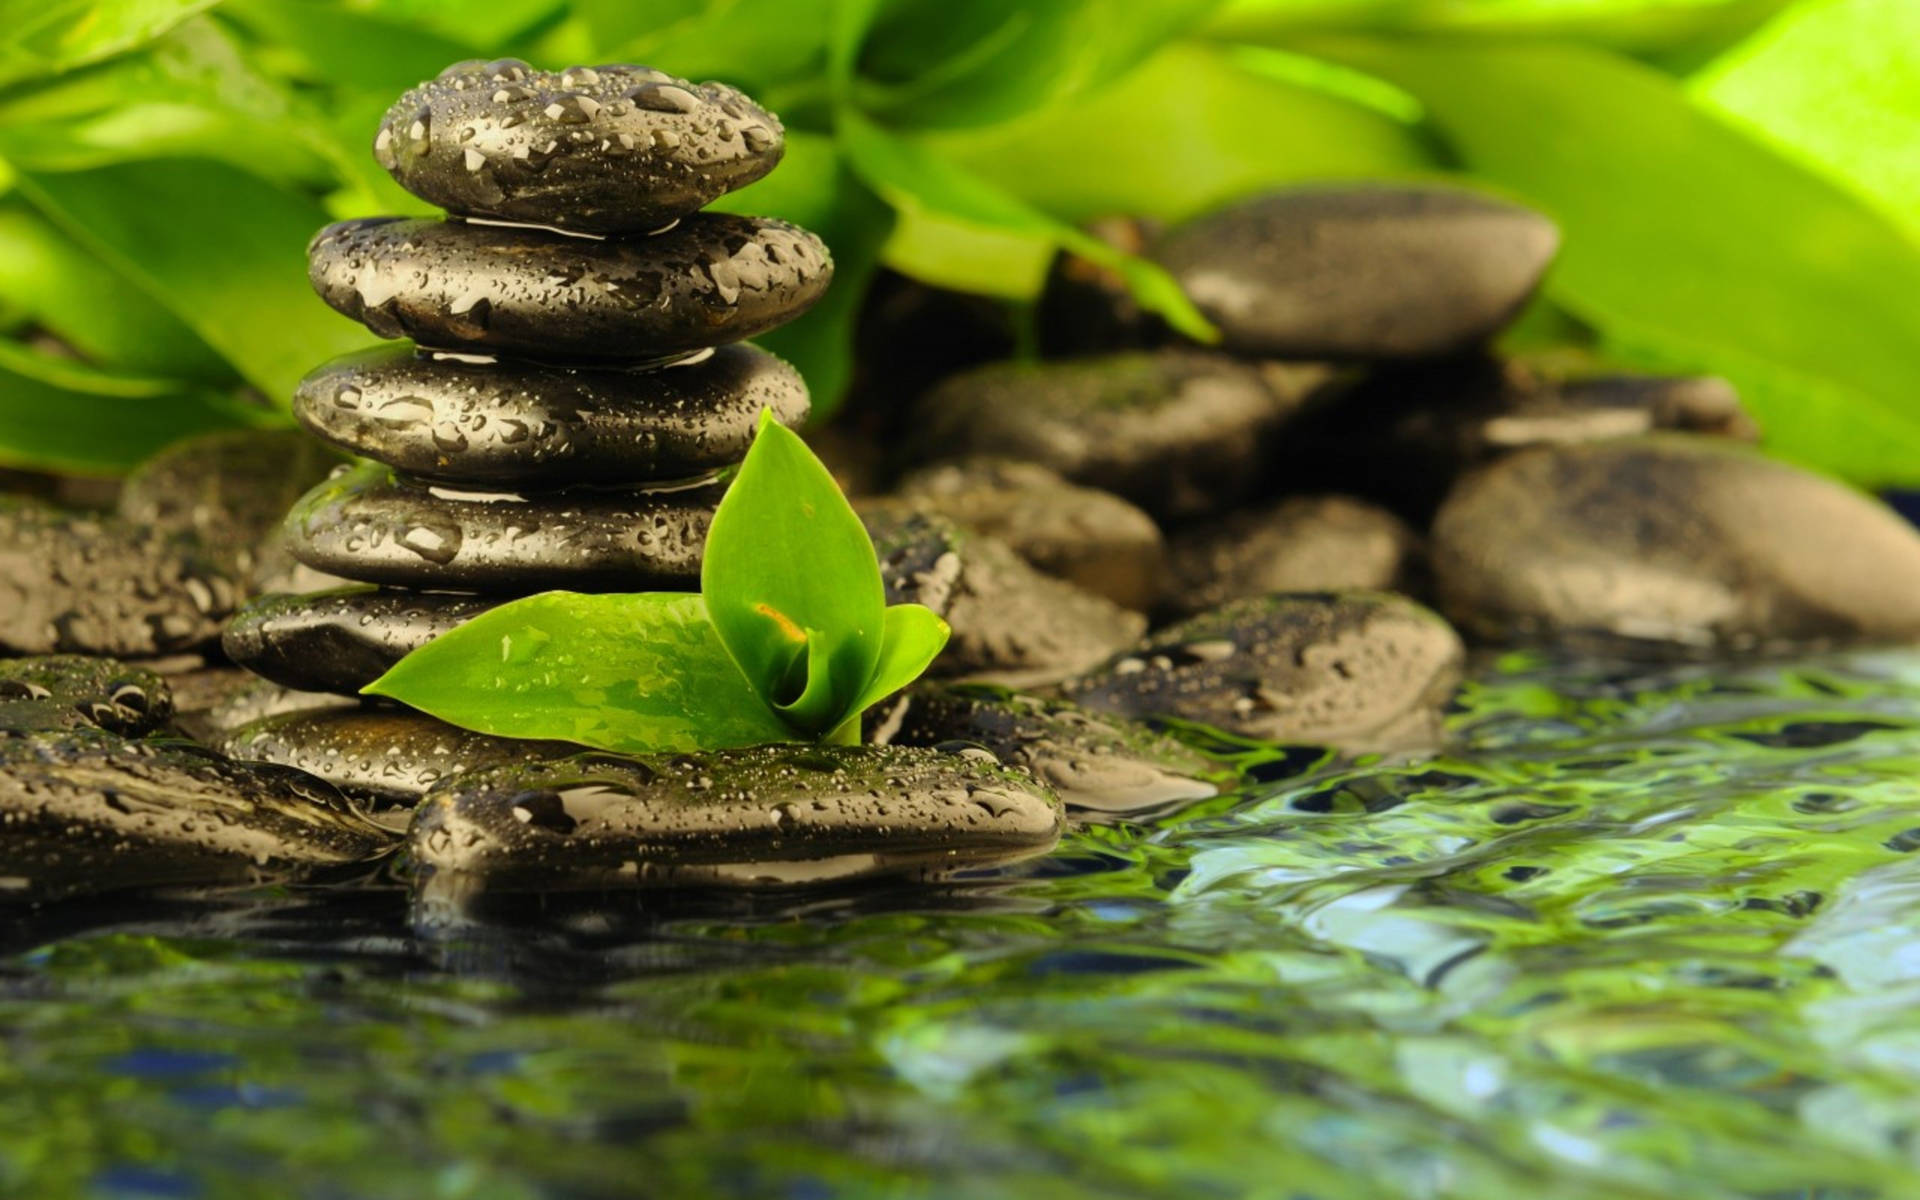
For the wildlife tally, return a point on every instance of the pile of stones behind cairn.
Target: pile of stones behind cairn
(576, 379)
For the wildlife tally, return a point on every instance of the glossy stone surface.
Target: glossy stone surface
(84, 811)
(71, 691)
(391, 754)
(522, 424)
(483, 289)
(73, 584)
(1359, 670)
(1672, 543)
(341, 640)
(606, 149)
(214, 701)
(769, 816)
(1368, 272)
(1093, 760)
(1180, 433)
(365, 525)
(1301, 544)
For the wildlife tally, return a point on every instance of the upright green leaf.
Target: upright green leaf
(636, 673)
(914, 636)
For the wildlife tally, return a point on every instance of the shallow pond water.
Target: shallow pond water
(1645, 932)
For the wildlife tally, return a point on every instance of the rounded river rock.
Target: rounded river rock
(1301, 544)
(341, 640)
(72, 691)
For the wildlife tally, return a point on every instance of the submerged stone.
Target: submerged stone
(522, 424)
(1180, 433)
(448, 285)
(770, 816)
(1358, 670)
(1301, 544)
(71, 691)
(607, 149)
(366, 525)
(85, 811)
(1672, 542)
(1093, 760)
(1369, 272)
(391, 754)
(341, 640)
(74, 584)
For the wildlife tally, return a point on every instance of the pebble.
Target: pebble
(341, 640)
(71, 691)
(1300, 544)
(214, 701)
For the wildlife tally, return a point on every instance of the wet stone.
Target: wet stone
(1179, 433)
(1372, 272)
(770, 816)
(389, 754)
(84, 811)
(1358, 670)
(919, 555)
(524, 425)
(606, 149)
(341, 640)
(74, 584)
(367, 526)
(482, 289)
(1672, 543)
(70, 691)
(214, 701)
(1095, 761)
(1301, 544)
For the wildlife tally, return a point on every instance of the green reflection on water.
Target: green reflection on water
(1639, 934)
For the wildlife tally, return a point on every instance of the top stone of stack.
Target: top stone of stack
(596, 150)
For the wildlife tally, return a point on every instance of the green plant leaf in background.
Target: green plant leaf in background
(79, 430)
(39, 37)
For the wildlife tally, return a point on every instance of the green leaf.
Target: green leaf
(914, 637)
(1692, 240)
(756, 45)
(633, 673)
(792, 583)
(44, 427)
(43, 37)
(333, 46)
(218, 247)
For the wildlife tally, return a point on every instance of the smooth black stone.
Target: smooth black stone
(339, 641)
(214, 701)
(1359, 670)
(770, 816)
(73, 584)
(483, 289)
(521, 424)
(71, 691)
(1180, 433)
(1672, 544)
(366, 525)
(607, 149)
(1094, 761)
(87, 811)
(1301, 544)
(1369, 272)
(390, 754)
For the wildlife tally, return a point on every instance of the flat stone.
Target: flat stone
(1358, 670)
(341, 640)
(1179, 433)
(76, 584)
(389, 754)
(609, 149)
(519, 424)
(86, 811)
(770, 816)
(484, 289)
(366, 525)
(214, 701)
(1368, 272)
(1086, 536)
(71, 691)
(1301, 544)
(1095, 761)
(1674, 544)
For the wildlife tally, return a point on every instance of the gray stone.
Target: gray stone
(1368, 272)
(389, 754)
(521, 424)
(1358, 670)
(214, 701)
(607, 149)
(1180, 433)
(368, 526)
(341, 640)
(1672, 543)
(919, 555)
(770, 816)
(1301, 544)
(70, 691)
(73, 584)
(484, 289)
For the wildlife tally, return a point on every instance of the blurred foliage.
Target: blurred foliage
(1738, 180)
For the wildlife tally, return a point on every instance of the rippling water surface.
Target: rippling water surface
(1643, 933)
